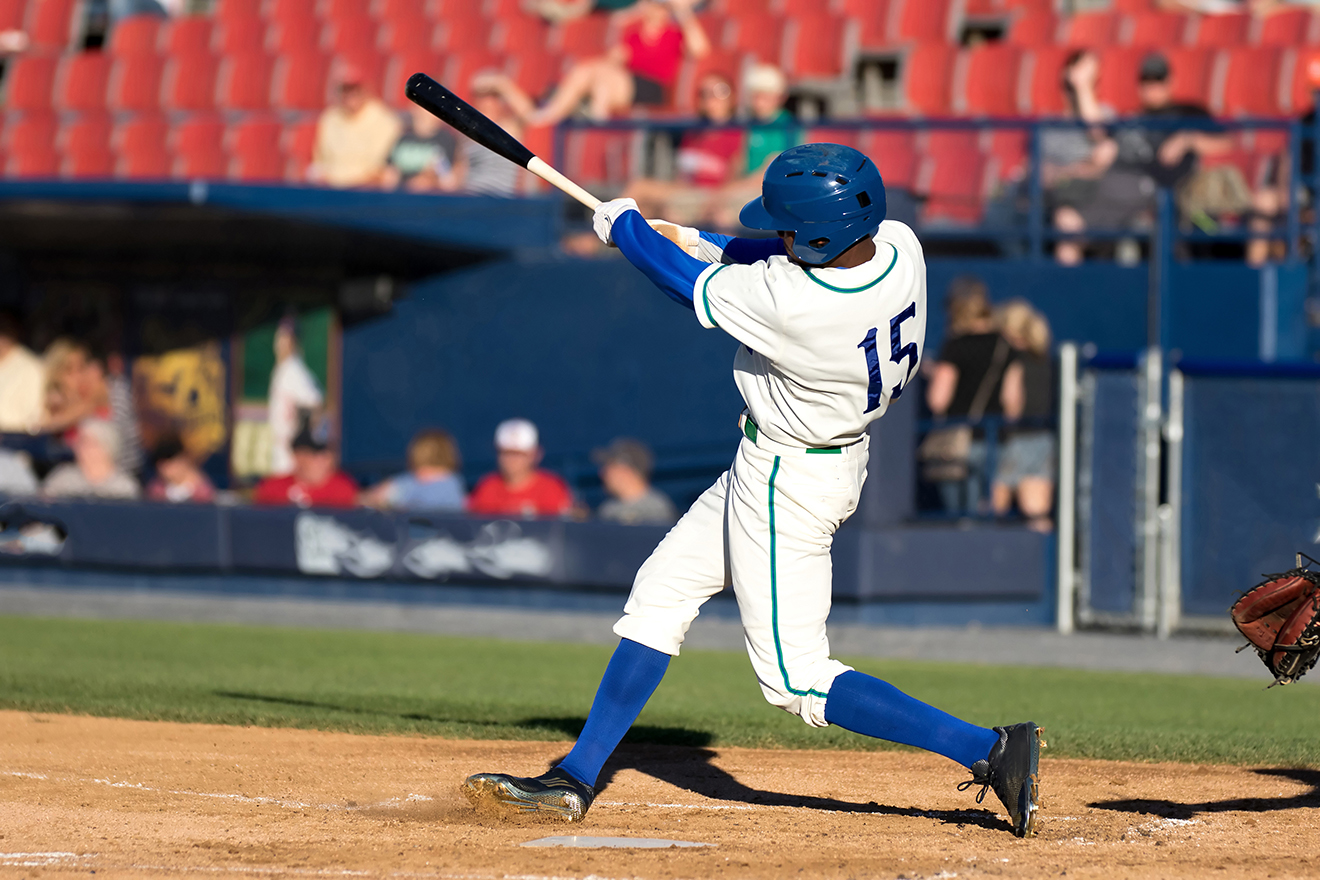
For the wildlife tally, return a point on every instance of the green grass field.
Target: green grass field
(487, 689)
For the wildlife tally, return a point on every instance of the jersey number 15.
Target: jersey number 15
(897, 353)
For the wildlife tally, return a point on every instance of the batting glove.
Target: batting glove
(606, 214)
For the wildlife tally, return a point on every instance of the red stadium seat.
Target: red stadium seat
(598, 158)
(1289, 27)
(873, 18)
(954, 187)
(1226, 31)
(459, 69)
(928, 78)
(254, 151)
(338, 10)
(350, 35)
(198, 149)
(1119, 66)
(1093, 30)
(582, 37)
(1306, 79)
(895, 154)
(80, 83)
(241, 36)
(12, 14)
(1044, 75)
(227, 10)
(243, 82)
(989, 85)
(924, 21)
(188, 82)
(190, 35)
(816, 47)
(84, 145)
(135, 35)
(464, 34)
(1034, 29)
(536, 73)
(29, 146)
(400, 67)
(50, 23)
(300, 82)
(742, 7)
(1156, 29)
(1134, 6)
(291, 10)
(298, 142)
(762, 36)
(293, 36)
(370, 64)
(1191, 70)
(390, 10)
(140, 148)
(135, 83)
(848, 137)
(30, 82)
(525, 33)
(401, 36)
(1251, 82)
(1008, 150)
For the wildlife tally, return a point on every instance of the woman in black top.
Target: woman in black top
(1026, 466)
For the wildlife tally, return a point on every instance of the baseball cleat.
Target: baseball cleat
(1012, 769)
(556, 793)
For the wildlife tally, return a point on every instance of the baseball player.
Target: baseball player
(832, 318)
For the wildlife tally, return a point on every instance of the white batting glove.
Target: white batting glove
(606, 213)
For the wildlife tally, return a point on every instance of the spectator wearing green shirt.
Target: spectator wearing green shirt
(771, 129)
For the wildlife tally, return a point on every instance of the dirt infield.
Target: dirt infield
(127, 798)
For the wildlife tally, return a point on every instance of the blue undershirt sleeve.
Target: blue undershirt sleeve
(745, 250)
(665, 263)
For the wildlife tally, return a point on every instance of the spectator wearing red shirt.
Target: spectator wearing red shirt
(640, 69)
(519, 488)
(316, 480)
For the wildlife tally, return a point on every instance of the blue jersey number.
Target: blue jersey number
(897, 352)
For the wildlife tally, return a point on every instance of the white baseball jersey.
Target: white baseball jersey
(823, 350)
(823, 353)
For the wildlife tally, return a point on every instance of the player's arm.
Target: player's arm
(716, 248)
(668, 266)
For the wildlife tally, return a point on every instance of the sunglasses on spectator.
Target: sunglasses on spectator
(718, 90)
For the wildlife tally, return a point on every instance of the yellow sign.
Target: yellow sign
(185, 387)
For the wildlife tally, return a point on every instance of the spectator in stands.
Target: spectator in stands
(559, 11)
(625, 471)
(354, 134)
(432, 481)
(970, 379)
(316, 480)
(1026, 466)
(89, 384)
(520, 488)
(1271, 201)
(178, 478)
(708, 158)
(293, 398)
(771, 129)
(423, 156)
(94, 471)
(477, 170)
(641, 70)
(22, 380)
(17, 479)
(1073, 159)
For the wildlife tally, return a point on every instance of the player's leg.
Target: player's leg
(687, 568)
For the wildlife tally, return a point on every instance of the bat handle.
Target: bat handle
(542, 169)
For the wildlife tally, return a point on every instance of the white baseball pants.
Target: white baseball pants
(765, 527)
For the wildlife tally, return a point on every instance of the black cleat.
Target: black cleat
(1013, 770)
(555, 792)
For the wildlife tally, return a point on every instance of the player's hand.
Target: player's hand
(606, 214)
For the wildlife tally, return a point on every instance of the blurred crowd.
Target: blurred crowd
(81, 401)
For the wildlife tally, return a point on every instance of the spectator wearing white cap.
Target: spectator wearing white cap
(93, 472)
(771, 129)
(625, 471)
(520, 487)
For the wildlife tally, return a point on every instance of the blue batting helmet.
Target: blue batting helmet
(830, 196)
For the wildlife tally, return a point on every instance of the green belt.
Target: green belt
(750, 431)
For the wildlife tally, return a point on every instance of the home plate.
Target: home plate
(611, 842)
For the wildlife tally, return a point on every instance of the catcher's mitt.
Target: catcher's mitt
(1281, 619)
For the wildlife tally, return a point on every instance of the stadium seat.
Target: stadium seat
(816, 47)
(140, 148)
(350, 35)
(80, 82)
(1155, 30)
(923, 21)
(460, 68)
(190, 35)
(894, 152)
(761, 36)
(1008, 149)
(1305, 81)
(536, 73)
(29, 146)
(240, 36)
(954, 187)
(227, 10)
(243, 82)
(135, 35)
(464, 35)
(404, 36)
(297, 142)
(1191, 78)
(849, 137)
(872, 17)
(293, 36)
(254, 151)
(928, 78)
(400, 67)
(30, 82)
(988, 80)
(735, 8)
(1251, 82)
(582, 37)
(1226, 31)
(1133, 7)
(84, 147)
(1289, 27)
(198, 149)
(12, 13)
(1034, 29)
(188, 83)
(1119, 66)
(135, 83)
(50, 23)
(1092, 30)
(290, 10)
(598, 158)
(370, 64)
(1043, 71)
(300, 82)
(406, 10)
(338, 10)
(525, 33)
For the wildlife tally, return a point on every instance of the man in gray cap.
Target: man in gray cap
(625, 470)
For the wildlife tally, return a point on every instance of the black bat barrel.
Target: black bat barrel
(464, 118)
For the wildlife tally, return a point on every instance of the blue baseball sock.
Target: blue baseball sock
(872, 707)
(632, 676)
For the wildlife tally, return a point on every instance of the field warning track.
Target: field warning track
(132, 798)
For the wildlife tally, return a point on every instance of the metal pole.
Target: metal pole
(1170, 610)
(1066, 575)
(1036, 218)
(1148, 489)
